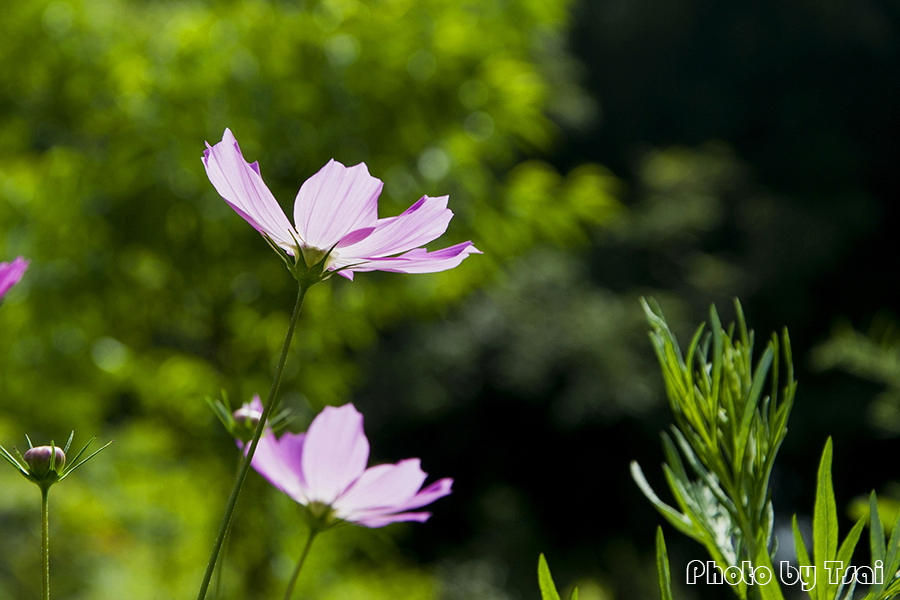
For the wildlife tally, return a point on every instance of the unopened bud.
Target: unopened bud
(247, 417)
(41, 460)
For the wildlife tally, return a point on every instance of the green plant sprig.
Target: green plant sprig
(728, 430)
(728, 433)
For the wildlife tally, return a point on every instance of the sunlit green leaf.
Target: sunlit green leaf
(545, 581)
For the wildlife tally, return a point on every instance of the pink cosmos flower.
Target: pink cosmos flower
(326, 468)
(336, 217)
(11, 273)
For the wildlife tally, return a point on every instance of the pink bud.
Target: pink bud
(42, 460)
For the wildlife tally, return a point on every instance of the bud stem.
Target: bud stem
(270, 405)
(45, 540)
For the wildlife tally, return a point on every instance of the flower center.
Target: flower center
(322, 515)
(313, 256)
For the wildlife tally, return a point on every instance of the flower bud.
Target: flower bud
(247, 417)
(42, 460)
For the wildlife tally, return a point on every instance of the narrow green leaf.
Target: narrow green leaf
(845, 553)
(752, 401)
(803, 557)
(773, 390)
(678, 520)
(892, 561)
(545, 580)
(708, 479)
(768, 590)
(681, 489)
(876, 545)
(574, 595)
(220, 410)
(715, 328)
(825, 525)
(746, 336)
(696, 508)
(893, 556)
(693, 396)
(892, 590)
(662, 567)
(800, 545)
(673, 459)
(848, 595)
(876, 530)
(790, 388)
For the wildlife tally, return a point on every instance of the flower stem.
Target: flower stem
(270, 405)
(309, 541)
(45, 540)
(217, 585)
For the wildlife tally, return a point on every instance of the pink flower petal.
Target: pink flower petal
(278, 460)
(438, 489)
(256, 404)
(242, 187)
(335, 202)
(382, 520)
(377, 517)
(382, 486)
(418, 260)
(335, 452)
(424, 221)
(11, 273)
(355, 236)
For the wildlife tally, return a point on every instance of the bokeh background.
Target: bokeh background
(597, 151)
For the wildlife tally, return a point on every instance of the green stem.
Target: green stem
(290, 588)
(45, 540)
(271, 404)
(217, 585)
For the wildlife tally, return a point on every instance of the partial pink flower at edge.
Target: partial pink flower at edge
(11, 273)
(327, 466)
(336, 214)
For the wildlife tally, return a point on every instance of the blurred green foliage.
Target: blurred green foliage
(147, 293)
(566, 327)
(875, 356)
